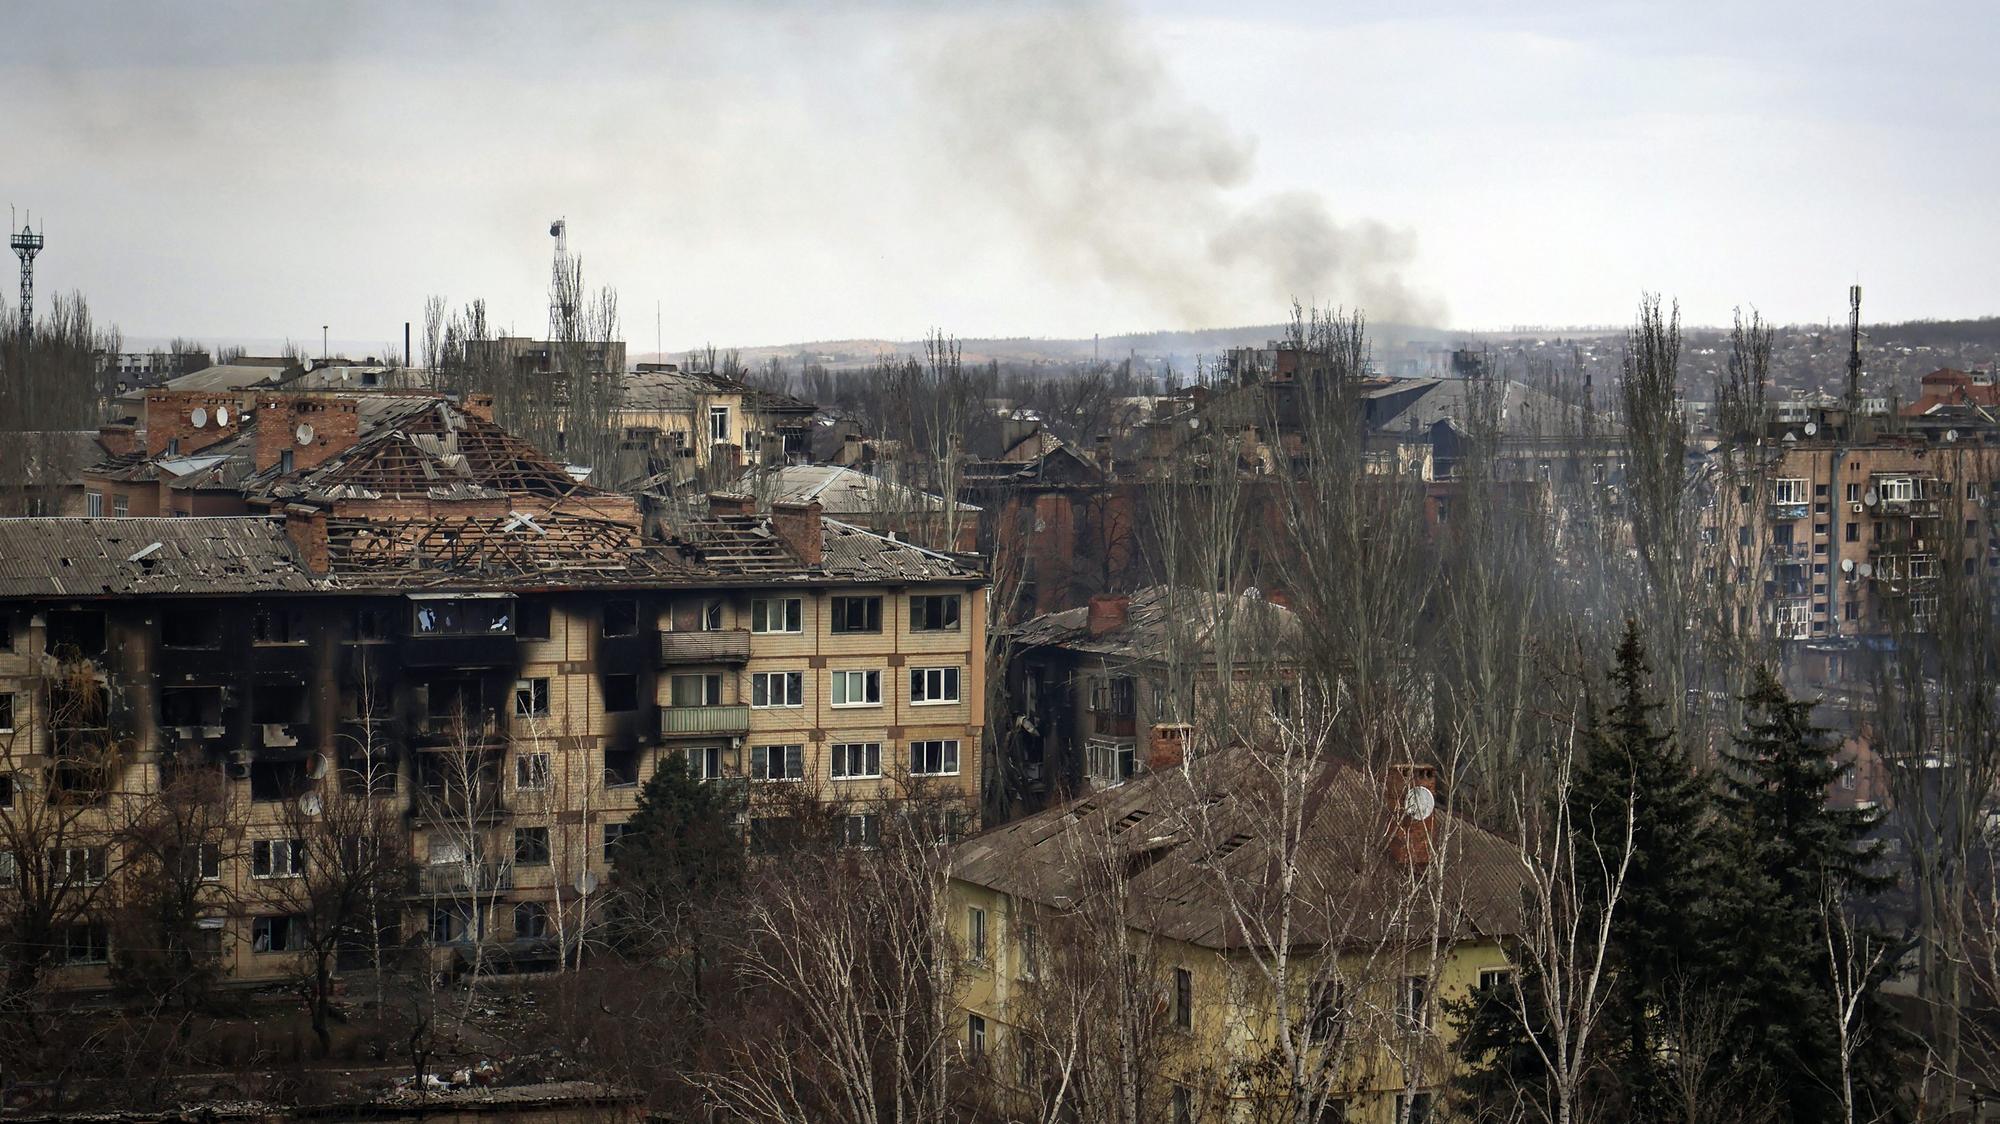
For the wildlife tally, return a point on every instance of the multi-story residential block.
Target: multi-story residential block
(436, 614)
(1088, 682)
(713, 424)
(1137, 933)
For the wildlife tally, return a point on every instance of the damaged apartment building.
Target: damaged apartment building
(387, 597)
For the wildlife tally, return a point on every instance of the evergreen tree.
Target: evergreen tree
(1656, 938)
(1792, 853)
(679, 857)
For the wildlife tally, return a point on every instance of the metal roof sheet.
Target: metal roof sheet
(67, 557)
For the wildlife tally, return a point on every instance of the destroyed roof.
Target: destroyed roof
(1192, 840)
(682, 390)
(1149, 631)
(746, 546)
(574, 547)
(840, 491)
(247, 374)
(65, 557)
(423, 446)
(1395, 405)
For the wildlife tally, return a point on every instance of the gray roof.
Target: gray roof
(1192, 840)
(1422, 403)
(116, 557)
(222, 376)
(841, 491)
(681, 390)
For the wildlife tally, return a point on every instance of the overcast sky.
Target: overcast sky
(779, 172)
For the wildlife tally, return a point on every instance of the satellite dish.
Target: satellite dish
(1867, 570)
(1870, 498)
(311, 804)
(316, 766)
(586, 882)
(1418, 803)
(1950, 435)
(1812, 428)
(199, 417)
(222, 415)
(1847, 565)
(304, 433)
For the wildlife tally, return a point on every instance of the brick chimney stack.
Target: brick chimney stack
(479, 406)
(1410, 798)
(118, 439)
(801, 527)
(305, 525)
(1168, 746)
(731, 503)
(313, 428)
(1107, 613)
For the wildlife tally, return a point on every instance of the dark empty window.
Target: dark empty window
(934, 613)
(371, 622)
(621, 692)
(621, 768)
(276, 780)
(621, 617)
(534, 620)
(273, 624)
(857, 614)
(278, 703)
(194, 627)
(531, 846)
(76, 632)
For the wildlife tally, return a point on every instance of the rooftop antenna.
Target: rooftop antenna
(1853, 353)
(26, 245)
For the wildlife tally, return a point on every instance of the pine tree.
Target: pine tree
(1793, 853)
(1656, 938)
(680, 855)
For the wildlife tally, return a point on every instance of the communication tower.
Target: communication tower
(26, 245)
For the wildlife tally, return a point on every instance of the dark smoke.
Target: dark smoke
(1071, 124)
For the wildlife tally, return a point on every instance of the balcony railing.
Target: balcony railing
(462, 878)
(687, 721)
(730, 645)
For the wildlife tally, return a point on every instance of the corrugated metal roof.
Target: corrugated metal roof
(117, 557)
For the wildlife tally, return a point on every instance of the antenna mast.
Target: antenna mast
(562, 291)
(1853, 355)
(26, 245)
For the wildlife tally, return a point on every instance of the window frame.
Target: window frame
(927, 608)
(842, 755)
(948, 751)
(794, 683)
(920, 686)
(842, 609)
(975, 933)
(293, 853)
(871, 680)
(792, 762)
(537, 690)
(790, 613)
(540, 853)
(531, 771)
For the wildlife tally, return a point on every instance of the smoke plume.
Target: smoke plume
(1072, 126)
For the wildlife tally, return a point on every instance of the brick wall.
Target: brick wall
(330, 425)
(170, 418)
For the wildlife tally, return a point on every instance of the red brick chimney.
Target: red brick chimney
(1168, 746)
(306, 527)
(479, 406)
(119, 439)
(314, 428)
(801, 527)
(730, 503)
(1410, 798)
(1107, 612)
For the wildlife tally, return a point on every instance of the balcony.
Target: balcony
(1786, 510)
(731, 645)
(464, 878)
(695, 721)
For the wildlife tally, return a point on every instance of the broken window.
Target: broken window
(190, 706)
(777, 762)
(621, 617)
(277, 780)
(857, 614)
(371, 622)
(531, 921)
(534, 620)
(934, 613)
(277, 624)
(531, 698)
(85, 944)
(621, 768)
(75, 633)
(278, 704)
(531, 846)
(621, 692)
(777, 688)
(191, 627)
(467, 616)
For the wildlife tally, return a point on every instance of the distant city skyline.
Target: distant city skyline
(778, 172)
